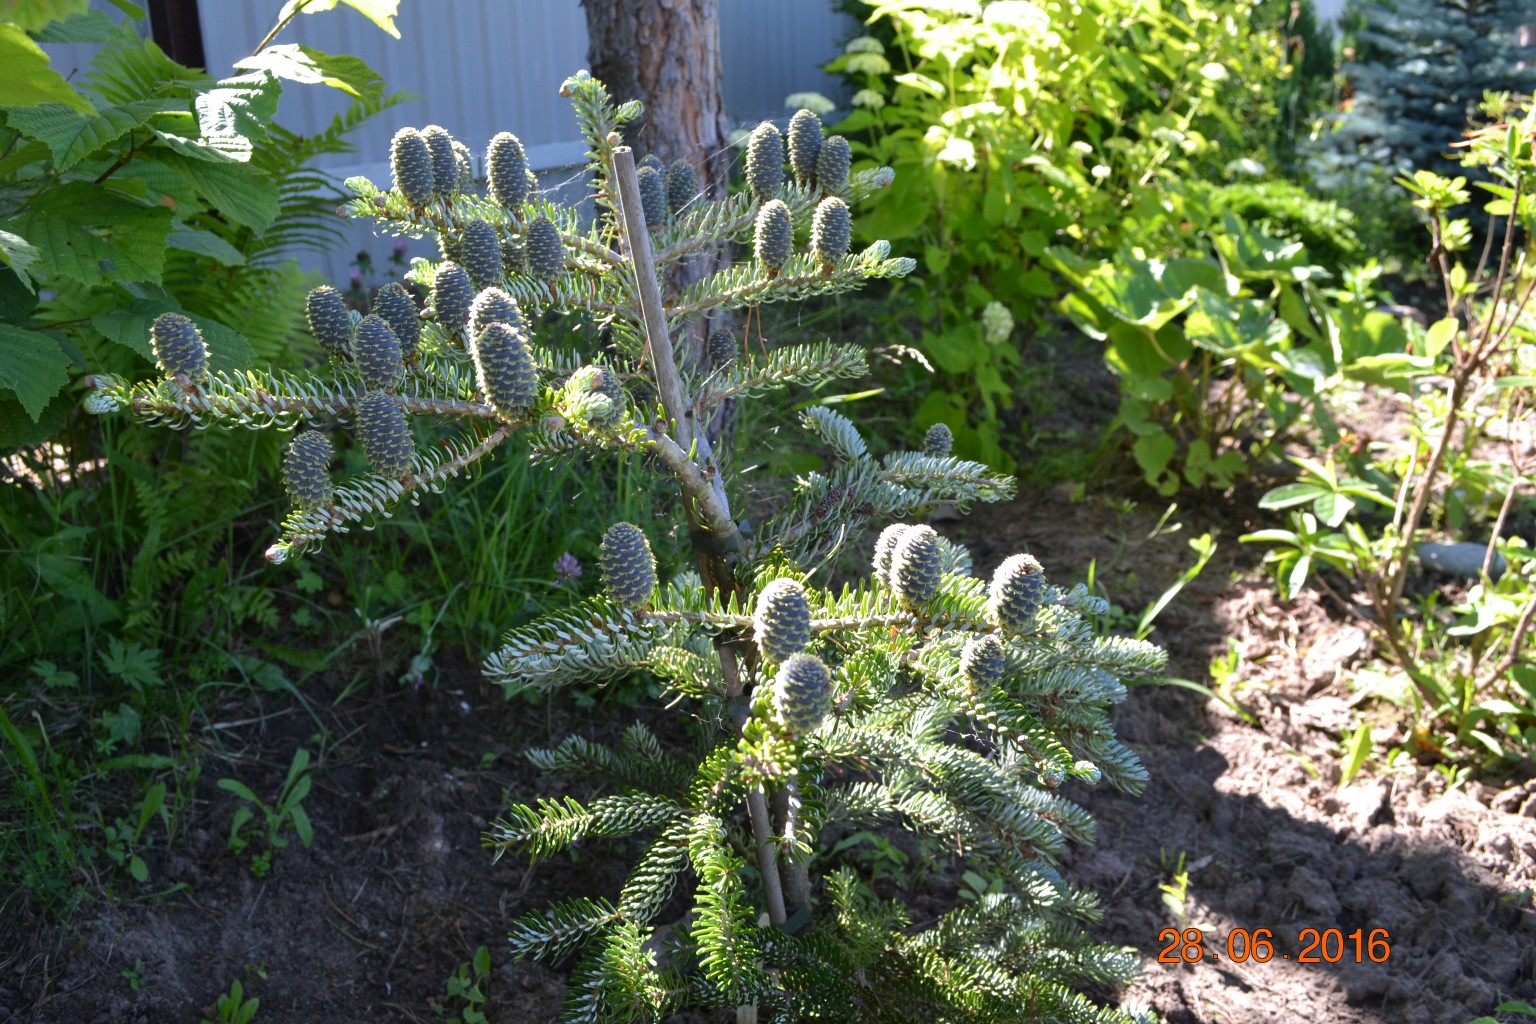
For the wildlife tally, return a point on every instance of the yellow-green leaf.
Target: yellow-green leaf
(27, 78)
(308, 66)
(1439, 336)
(32, 15)
(381, 12)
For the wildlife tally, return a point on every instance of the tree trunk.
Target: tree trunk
(666, 53)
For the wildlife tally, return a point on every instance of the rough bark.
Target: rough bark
(666, 53)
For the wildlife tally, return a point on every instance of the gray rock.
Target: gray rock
(1464, 559)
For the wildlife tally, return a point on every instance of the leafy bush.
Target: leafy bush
(1015, 127)
(1469, 675)
(1287, 211)
(922, 697)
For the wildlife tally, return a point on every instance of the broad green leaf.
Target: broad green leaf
(72, 136)
(236, 111)
(1439, 336)
(1297, 577)
(1291, 494)
(33, 15)
(85, 233)
(19, 254)
(1354, 757)
(308, 66)
(227, 349)
(204, 243)
(33, 366)
(1332, 508)
(381, 12)
(1153, 453)
(26, 76)
(239, 193)
(89, 27)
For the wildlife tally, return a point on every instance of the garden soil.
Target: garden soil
(397, 890)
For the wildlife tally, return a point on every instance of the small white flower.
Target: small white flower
(868, 98)
(1082, 147)
(867, 64)
(1099, 172)
(815, 102)
(864, 44)
(996, 323)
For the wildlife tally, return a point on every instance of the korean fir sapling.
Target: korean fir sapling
(921, 698)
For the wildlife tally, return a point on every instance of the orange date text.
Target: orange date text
(1257, 945)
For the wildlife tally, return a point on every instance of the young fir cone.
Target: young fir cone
(1016, 593)
(802, 693)
(385, 434)
(722, 349)
(831, 231)
(682, 185)
(939, 440)
(377, 352)
(774, 239)
(833, 162)
(506, 169)
(629, 568)
(781, 621)
(495, 306)
(917, 566)
(650, 160)
(545, 249)
(653, 196)
(307, 469)
(765, 162)
(179, 347)
(480, 249)
(451, 248)
(804, 144)
(505, 370)
(452, 295)
(328, 321)
(445, 166)
(982, 663)
(395, 305)
(514, 256)
(411, 161)
(885, 547)
(464, 166)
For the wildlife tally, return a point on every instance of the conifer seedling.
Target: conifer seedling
(918, 698)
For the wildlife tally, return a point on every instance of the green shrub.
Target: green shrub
(812, 708)
(1016, 127)
(1285, 210)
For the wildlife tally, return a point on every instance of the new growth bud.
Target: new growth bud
(765, 162)
(411, 161)
(307, 469)
(629, 568)
(802, 693)
(328, 321)
(385, 434)
(179, 347)
(1016, 593)
(781, 620)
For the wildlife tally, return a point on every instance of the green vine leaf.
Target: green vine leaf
(33, 366)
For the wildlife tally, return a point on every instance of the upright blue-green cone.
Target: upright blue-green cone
(480, 247)
(832, 165)
(939, 440)
(384, 431)
(1016, 593)
(179, 347)
(765, 162)
(682, 184)
(307, 469)
(464, 166)
(410, 159)
(917, 566)
(629, 568)
(506, 169)
(802, 693)
(328, 320)
(831, 231)
(781, 620)
(504, 369)
(494, 306)
(722, 349)
(773, 241)
(650, 160)
(395, 305)
(885, 547)
(653, 196)
(982, 663)
(452, 295)
(545, 249)
(377, 352)
(804, 144)
(445, 166)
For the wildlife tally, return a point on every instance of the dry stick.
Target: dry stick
(708, 492)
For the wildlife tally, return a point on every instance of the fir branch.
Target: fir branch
(559, 928)
(802, 365)
(800, 278)
(544, 829)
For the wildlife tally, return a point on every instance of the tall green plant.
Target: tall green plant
(919, 698)
(1019, 126)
